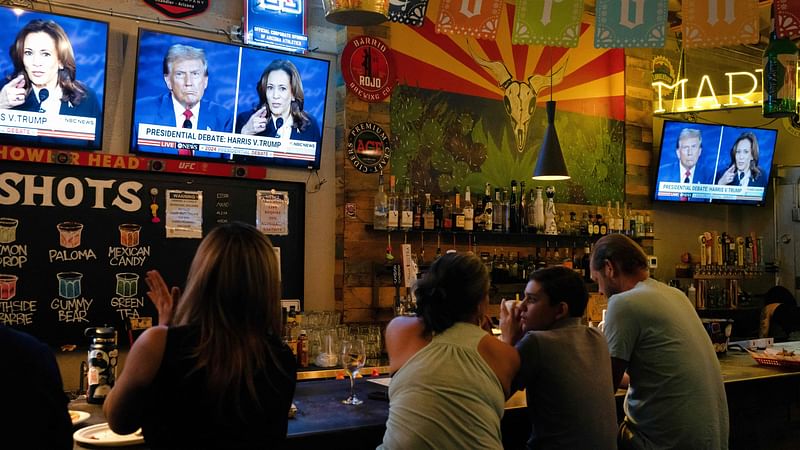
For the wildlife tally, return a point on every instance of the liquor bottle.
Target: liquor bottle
(447, 214)
(428, 217)
(603, 225)
(538, 211)
(458, 213)
(487, 208)
(406, 208)
(512, 216)
(468, 211)
(478, 219)
(393, 221)
(417, 223)
(618, 217)
(610, 221)
(381, 207)
(498, 216)
(506, 205)
(626, 220)
(596, 224)
(550, 224)
(779, 77)
(631, 221)
(586, 262)
(522, 211)
(584, 226)
(438, 214)
(649, 226)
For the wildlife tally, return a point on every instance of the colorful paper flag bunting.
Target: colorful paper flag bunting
(409, 12)
(476, 18)
(715, 23)
(629, 23)
(549, 22)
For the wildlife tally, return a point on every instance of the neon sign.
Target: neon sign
(706, 97)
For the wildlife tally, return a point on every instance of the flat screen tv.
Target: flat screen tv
(54, 78)
(200, 99)
(712, 163)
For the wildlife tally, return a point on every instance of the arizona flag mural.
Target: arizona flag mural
(469, 112)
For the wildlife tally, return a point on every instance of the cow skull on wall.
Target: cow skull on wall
(519, 97)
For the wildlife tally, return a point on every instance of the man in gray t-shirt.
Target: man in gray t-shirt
(565, 366)
(676, 398)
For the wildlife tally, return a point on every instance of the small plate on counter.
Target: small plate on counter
(101, 435)
(78, 417)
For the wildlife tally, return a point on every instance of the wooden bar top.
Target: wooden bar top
(322, 419)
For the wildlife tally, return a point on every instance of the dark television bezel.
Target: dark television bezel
(237, 159)
(68, 146)
(712, 201)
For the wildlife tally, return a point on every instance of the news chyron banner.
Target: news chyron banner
(25, 123)
(278, 24)
(183, 139)
(710, 192)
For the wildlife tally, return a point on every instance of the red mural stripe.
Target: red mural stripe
(428, 32)
(428, 77)
(609, 63)
(549, 57)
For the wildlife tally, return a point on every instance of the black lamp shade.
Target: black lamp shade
(550, 165)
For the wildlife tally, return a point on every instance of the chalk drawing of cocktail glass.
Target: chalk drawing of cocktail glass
(69, 284)
(8, 286)
(127, 284)
(8, 230)
(69, 234)
(129, 234)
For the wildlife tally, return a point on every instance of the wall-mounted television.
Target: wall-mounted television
(713, 163)
(200, 99)
(54, 78)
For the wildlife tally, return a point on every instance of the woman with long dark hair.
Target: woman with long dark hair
(279, 112)
(451, 377)
(44, 78)
(217, 374)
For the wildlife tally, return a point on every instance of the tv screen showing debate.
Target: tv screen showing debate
(200, 99)
(54, 77)
(714, 163)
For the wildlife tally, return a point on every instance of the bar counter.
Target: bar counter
(760, 399)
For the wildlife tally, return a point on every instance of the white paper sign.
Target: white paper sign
(184, 214)
(272, 216)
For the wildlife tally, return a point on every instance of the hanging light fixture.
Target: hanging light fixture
(550, 166)
(356, 13)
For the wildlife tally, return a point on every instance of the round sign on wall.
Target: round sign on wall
(368, 69)
(368, 147)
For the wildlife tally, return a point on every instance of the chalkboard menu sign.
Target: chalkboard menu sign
(76, 242)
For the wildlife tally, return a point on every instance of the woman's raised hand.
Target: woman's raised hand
(13, 93)
(163, 297)
(257, 122)
(728, 176)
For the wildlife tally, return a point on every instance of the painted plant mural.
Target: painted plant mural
(469, 112)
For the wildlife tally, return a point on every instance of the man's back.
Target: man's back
(676, 398)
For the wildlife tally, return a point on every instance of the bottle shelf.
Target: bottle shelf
(502, 237)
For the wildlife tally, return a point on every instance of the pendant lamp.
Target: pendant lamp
(356, 13)
(550, 166)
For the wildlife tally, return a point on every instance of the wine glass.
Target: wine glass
(352, 358)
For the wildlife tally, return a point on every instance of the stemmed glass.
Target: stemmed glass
(352, 359)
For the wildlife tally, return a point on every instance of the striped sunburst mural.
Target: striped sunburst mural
(467, 112)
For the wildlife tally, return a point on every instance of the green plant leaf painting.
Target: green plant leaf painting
(443, 141)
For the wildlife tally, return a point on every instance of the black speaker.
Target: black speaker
(156, 165)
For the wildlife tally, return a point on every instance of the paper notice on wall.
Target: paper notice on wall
(272, 215)
(184, 214)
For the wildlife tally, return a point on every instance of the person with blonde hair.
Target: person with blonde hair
(216, 375)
